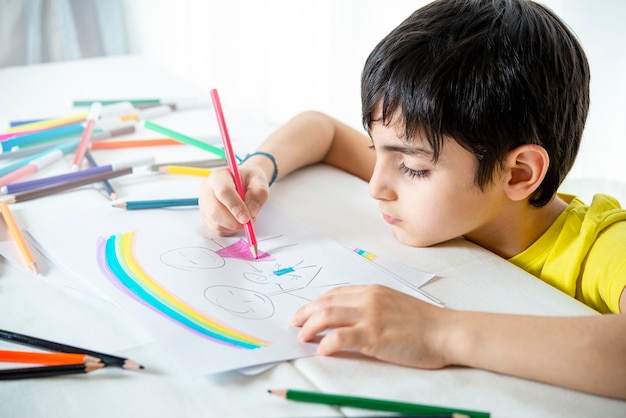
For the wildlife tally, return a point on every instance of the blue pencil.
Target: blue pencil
(107, 185)
(43, 136)
(65, 148)
(155, 204)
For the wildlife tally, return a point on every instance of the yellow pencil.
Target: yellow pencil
(18, 237)
(181, 169)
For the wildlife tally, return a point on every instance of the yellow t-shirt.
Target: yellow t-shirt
(583, 253)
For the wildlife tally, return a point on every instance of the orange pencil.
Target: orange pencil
(18, 237)
(46, 358)
(131, 143)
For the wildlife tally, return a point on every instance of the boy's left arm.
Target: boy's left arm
(586, 353)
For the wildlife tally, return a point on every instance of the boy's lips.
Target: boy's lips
(390, 219)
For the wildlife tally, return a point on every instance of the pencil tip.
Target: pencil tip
(113, 196)
(33, 268)
(130, 364)
(254, 251)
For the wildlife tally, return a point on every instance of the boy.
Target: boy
(475, 110)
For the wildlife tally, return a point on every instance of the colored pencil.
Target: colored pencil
(14, 123)
(25, 152)
(134, 102)
(32, 167)
(48, 181)
(373, 404)
(49, 123)
(46, 358)
(64, 147)
(184, 138)
(132, 143)
(107, 359)
(85, 139)
(138, 102)
(232, 166)
(38, 138)
(189, 171)
(49, 371)
(27, 255)
(217, 162)
(113, 131)
(155, 204)
(108, 188)
(55, 188)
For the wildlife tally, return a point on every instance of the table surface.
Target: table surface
(56, 306)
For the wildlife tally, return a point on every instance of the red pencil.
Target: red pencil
(232, 166)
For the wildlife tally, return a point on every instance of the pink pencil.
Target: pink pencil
(232, 166)
(32, 167)
(90, 122)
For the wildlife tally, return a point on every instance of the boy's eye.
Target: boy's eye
(413, 173)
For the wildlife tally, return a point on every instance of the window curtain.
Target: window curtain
(39, 31)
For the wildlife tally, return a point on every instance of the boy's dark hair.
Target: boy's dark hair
(491, 74)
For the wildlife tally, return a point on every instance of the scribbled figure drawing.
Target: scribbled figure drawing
(279, 275)
(252, 304)
(241, 251)
(192, 258)
(241, 302)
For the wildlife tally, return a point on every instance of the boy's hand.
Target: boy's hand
(221, 207)
(376, 321)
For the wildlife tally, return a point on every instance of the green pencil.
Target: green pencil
(185, 139)
(373, 404)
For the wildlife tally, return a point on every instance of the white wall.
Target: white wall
(279, 57)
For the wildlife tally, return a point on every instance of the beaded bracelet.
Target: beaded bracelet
(271, 157)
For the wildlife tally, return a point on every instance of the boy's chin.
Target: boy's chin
(411, 240)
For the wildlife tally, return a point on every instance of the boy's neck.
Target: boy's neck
(519, 227)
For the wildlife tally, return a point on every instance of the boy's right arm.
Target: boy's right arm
(308, 138)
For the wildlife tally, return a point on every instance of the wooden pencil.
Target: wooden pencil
(229, 154)
(55, 188)
(133, 143)
(110, 191)
(373, 404)
(212, 163)
(48, 371)
(189, 171)
(107, 359)
(22, 245)
(13, 356)
(155, 204)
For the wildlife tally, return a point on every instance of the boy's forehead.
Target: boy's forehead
(395, 131)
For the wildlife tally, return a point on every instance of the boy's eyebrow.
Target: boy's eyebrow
(408, 150)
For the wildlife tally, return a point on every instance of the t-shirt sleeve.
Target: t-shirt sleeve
(604, 277)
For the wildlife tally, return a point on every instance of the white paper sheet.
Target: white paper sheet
(171, 254)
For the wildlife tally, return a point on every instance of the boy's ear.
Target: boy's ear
(525, 168)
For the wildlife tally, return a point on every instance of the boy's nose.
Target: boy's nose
(379, 186)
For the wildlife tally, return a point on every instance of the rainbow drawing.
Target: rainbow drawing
(118, 263)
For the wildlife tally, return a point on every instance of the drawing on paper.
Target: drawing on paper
(253, 304)
(117, 261)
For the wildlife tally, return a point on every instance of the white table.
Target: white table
(53, 305)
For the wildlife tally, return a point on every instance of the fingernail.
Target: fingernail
(243, 218)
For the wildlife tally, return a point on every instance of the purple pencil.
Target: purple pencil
(25, 186)
(49, 181)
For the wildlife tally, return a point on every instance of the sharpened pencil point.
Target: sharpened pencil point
(132, 365)
(33, 267)
(254, 251)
